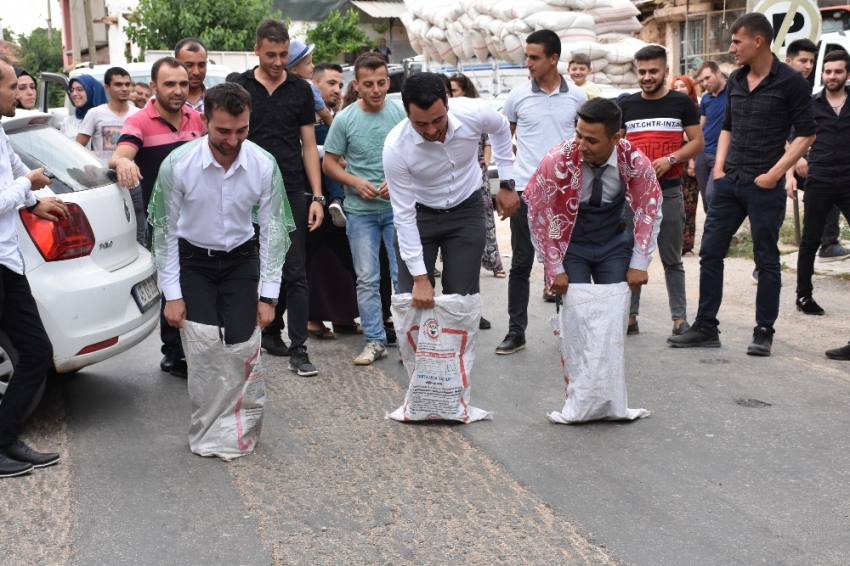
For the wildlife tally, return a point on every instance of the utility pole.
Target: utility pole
(49, 23)
(90, 33)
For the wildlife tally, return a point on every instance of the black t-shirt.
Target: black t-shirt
(656, 127)
(276, 121)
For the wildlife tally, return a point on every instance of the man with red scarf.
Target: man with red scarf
(576, 205)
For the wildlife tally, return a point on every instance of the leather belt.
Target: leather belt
(670, 183)
(429, 210)
(247, 246)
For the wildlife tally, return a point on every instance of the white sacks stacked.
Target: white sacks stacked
(449, 31)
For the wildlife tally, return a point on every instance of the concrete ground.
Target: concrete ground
(743, 461)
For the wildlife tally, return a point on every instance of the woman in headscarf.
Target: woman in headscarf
(86, 93)
(491, 260)
(690, 188)
(26, 88)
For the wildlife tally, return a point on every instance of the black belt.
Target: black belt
(251, 244)
(429, 210)
(670, 183)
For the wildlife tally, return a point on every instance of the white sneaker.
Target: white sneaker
(337, 215)
(373, 351)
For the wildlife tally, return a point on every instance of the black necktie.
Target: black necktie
(596, 193)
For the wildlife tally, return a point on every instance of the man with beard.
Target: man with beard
(146, 140)
(204, 245)
(828, 170)
(542, 114)
(193, 53)
(283, 123)
(765, 98)
(654, 121)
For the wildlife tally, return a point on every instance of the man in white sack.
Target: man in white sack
(434, 179)
(576, 203)
(204, 245)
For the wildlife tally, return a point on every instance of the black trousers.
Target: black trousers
(819, 199)
(460, 235)
(294, 293)
(227, 284)
(521, 264)
(20, 320)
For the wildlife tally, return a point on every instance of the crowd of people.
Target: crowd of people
(318, 206)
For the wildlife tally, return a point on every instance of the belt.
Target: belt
(251, 244)
(427, 209)
(670, 183)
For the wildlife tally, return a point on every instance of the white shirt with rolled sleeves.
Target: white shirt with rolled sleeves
(14, 193)
(228, 197)
(441, 174)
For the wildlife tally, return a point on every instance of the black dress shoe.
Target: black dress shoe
(484, 324)
(511, 344)
(166, 363)
(23, 453)
(274, 345)
(842, 353)
(696, 337)
(392, 339)
(180, 369)
(10, 468)
(762, 341)
(807, 305)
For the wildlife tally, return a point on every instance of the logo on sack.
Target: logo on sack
(432, 329)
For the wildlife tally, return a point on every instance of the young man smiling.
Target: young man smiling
(358, 133)
(655, 121)
(282, 123)
(102, 125)
(193, 53)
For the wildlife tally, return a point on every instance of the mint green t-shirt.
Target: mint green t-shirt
(359, 136)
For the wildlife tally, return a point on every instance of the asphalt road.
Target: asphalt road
(709, 478)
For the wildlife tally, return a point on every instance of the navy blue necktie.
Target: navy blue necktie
(596, 193)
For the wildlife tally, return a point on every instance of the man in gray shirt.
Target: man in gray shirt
(542, 114)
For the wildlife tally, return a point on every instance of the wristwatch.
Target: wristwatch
(320, 199)
(671, 159)
(269, 301)
(509, 185)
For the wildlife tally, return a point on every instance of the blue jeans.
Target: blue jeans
(365, 234)
(731, 202)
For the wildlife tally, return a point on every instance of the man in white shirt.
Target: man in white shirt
(434, 179)
(204, 245)
(542, 114)
(102, 127)
(19, 318)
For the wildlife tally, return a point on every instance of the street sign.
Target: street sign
(791, 19)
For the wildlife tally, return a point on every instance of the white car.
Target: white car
(95, 286)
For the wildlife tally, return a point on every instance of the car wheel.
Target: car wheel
(8, 360)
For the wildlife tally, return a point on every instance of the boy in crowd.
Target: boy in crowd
(579, 68)
(301, 65)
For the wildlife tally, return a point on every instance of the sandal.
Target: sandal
(499, 273)
(342, 328)
(323, 333)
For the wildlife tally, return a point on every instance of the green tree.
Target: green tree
(338, 34)
(223, 25)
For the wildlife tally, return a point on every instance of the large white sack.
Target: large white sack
(510, 9)
(592, 331)
(613, 37)
(468, 51)
(576, 35)
(592, 49)
(622, 52)
(628, 77)
(492, 46)
(479, 45)
(598, 65)
(227, 392)
(559, 20)
(438, 349)
(581, 4)
(455, 42)
(629, 25)
(485, 6)
(599, 78)
(514, 51)
(615, 69)
(620, 12)
(435, 33)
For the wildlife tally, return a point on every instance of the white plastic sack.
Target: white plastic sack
(227, 390)
(592, 330)
(438, 349)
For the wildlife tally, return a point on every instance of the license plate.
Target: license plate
(146, 293)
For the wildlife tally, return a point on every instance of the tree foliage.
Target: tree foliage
(223, 25)
(338, 34)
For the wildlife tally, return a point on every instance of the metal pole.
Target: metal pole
(90, 33)
(49, 23)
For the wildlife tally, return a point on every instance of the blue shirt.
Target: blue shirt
(712, 108)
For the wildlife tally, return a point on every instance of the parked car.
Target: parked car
(95, 287)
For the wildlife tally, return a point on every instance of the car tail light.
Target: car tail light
(66, 238)
(99, 346)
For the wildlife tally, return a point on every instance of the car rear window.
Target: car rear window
(76, 168)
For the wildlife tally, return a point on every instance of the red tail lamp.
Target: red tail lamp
(67, 238)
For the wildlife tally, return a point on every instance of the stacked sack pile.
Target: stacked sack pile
(449, 31)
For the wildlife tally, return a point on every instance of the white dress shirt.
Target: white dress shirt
(14, 193)
(441, 174)
(211, 208)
